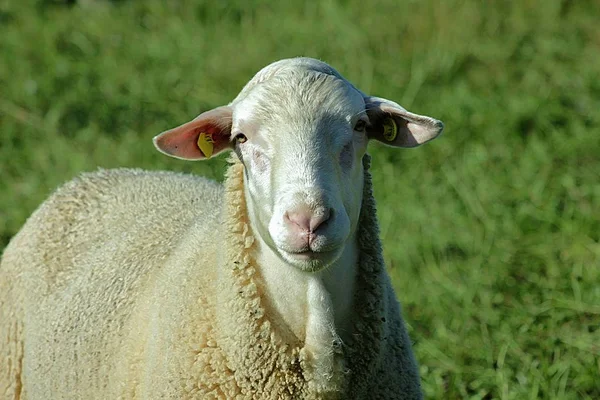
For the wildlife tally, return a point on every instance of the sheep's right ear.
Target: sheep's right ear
(205, 136)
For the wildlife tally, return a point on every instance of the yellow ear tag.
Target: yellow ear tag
(390, 129)
(205, 143)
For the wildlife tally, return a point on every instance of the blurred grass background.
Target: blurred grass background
(491, 233)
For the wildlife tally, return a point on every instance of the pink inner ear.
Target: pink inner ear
(182, 142)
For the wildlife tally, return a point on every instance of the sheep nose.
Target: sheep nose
(307, 220)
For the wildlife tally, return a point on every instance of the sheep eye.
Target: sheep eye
(360, 125)
(241, 138)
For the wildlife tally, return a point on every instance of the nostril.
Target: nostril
(300, 219)
(308, 220)
(319, 219)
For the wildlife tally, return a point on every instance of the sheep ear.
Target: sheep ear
(392, 125)
(203, 137)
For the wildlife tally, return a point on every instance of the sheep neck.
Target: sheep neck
(315, 307)
(317, 355)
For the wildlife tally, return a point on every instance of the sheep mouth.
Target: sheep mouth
(324, 255)
(315, 249)
(309, 254)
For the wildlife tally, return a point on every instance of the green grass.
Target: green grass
(491, 233)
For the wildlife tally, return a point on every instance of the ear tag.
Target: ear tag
(206, 144)
(390, 129)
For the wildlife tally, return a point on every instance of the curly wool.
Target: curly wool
(171, 304)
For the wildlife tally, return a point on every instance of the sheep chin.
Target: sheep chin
(311, 261)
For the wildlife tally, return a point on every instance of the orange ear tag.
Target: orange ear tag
(390, 129)
(206, 144)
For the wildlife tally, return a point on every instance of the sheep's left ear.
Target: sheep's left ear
(206, 135)
(392, 125)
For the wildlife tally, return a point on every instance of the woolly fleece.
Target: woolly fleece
(136, 284)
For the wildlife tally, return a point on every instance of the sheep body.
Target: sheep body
(125, 291)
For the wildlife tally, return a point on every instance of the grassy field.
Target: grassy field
(491, 233)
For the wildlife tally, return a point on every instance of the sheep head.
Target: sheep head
(300, 130)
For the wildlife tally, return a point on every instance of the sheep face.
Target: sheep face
(301, 139)
(301, 132)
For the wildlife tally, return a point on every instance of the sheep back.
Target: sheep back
(76, 274)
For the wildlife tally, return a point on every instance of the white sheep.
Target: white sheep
(151, 285)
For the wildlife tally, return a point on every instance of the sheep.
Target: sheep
(136, 284)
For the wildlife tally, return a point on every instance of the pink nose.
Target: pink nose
(306, 220)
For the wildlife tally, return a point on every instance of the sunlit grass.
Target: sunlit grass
(491, 233)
